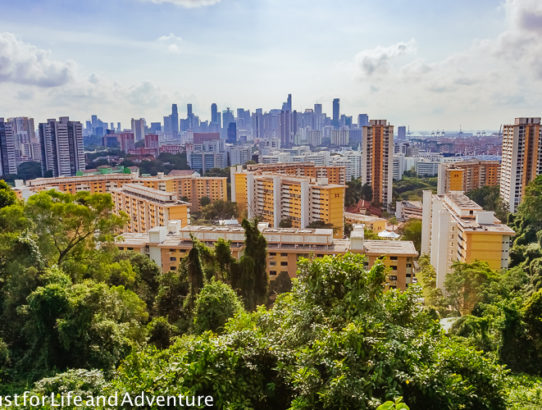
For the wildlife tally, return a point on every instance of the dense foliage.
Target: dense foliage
(412, 187)
(488, 197)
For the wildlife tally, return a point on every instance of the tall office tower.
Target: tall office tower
(214, 115)
(232, 133)
(61, 147)
(401, 132)
(174, 121)
(118, 127)
(138, 128)
(336, 112)
(286, 137)
(189, 112)
(363, 120)
(521, 158)
(257, 123)
(227, 119)
(289, 102)
(377, 160)
(318, 121)
(8, 143)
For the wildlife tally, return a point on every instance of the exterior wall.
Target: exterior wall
(484, 247)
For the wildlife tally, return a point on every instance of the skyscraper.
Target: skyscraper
(61, 147)
(232, 133)
(8, 164)
(289, 102)
(377, 160)
(174, 121)
(363, 120)
(27, 147)
(336, 112)
(401, 132)
(214, 116)
(138, 128)
(521, 159)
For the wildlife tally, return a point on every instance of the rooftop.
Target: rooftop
(378, 247)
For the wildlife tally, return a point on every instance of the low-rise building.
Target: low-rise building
(374, 223)
(167, 245)
(405, 210)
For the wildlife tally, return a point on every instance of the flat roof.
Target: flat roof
(377, 247)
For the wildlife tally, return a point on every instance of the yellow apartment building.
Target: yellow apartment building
(467, 175)
(455, 228)
(274, 198)
(148, 207)
(193, 187)
(167, 245)
(334, 174)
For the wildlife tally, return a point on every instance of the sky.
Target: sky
(423, 63)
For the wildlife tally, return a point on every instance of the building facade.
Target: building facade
(299, 201)
(62, 151)
(377, 160)
(467, 175)
(147, 207)
(521, 159)
(168, 245)
(455, 228)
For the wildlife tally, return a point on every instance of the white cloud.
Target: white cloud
(171, 42)
(25, 63)
(187, 3)
(491, 78)
(377, 60)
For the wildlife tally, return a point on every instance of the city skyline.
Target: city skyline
(478, 71)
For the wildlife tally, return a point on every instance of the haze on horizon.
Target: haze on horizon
(426, 64)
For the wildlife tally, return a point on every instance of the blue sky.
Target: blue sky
(427, 64)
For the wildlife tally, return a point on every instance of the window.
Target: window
(393, 258)
(272, 263)
(173, 259)
(284, 263)
(283, 254)
(394, 268)
(273, 272)
(392, 277)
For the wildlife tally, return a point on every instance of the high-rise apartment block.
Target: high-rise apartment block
(467, 175)
(277, 198)
(61, 147)
(521, 159)
(147, 207)
(8, 163)
(455, 228)
(377, 160)
(27, 146)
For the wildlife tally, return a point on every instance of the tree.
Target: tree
(215, 304)
(367, 192)
(85, 325)
(338, 340)
(319, 224)
(219, 209)
(412, 231)
(285, 223)
(7, 196)
(160, 332)
(204, 201)
(256, 250)
(29, 170)
(353, 192)
(69, 222)
(488, 197)
(465, 283)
